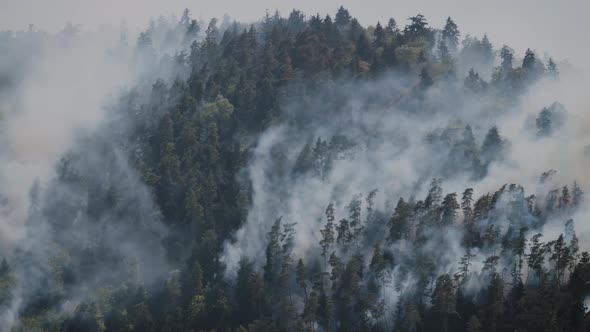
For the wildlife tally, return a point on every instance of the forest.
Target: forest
(301, 173)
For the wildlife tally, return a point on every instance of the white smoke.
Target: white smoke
(392, 156)
(56, 92)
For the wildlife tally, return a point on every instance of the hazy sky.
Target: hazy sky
(544, 25)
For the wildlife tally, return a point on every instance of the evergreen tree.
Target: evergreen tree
(552, 68)
(328, 233)
(449, 209)
(544, 123)
(565, 199)
(577, 195)
(379, 36)
(392, 27)
(377, 265)
(342, 17)
(301, 276)
(494, 304)
(245, 293)
(492, 147)
(444, 299)
(418, 27)
(467, 206)
(399, 222)
(529, 61)
(213, 133)
(450, 34)
(552, 201)
(506, 55)
(363, 48)
(344, 234)
(464, 266)
(474, 82)
(536, 256)
(434, 193)
(487, 50)
(444, 55)
(273, 252)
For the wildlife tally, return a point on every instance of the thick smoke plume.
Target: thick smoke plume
(67, 182)
(391, 152)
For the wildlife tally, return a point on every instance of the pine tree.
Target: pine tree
(399, 222)
(450, 34)
(209, 45)
(482, 207)
(444, 299)
(197, 290)
(552, 69)
(328, 238)
(473, 81)
(552, 201)
(392, 28)
(354, 210)
(344, 234)
(444, 56)
(342, 17)
(296, 21)
(310, 309)
(492, 147)
(465, 266)
(379, 36)
(244, 293)
(543, 122)
(536, 256)
(466, 206)
(529, 61)
(565, 199)
(273, 252)
(507, 55)
(285, 68)
(301, 276)
(418, 27)
(487, 50)
(378, 264)
(519, 246)
(560, 255)
(370, 200)
(434, 193)
(494, 306)
(577, 195)
(363, 48)
(449, 209)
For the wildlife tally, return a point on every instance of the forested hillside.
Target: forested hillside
(304, 173)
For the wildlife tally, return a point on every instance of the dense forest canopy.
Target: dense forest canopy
(302, 173)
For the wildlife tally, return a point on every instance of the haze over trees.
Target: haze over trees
(304, 173)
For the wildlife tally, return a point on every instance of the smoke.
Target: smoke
(69, 196)
(349, 139)
(60, 83)
(66, 184)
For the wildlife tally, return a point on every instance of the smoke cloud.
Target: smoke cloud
(68, 185)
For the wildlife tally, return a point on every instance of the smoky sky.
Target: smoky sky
(556, 27)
